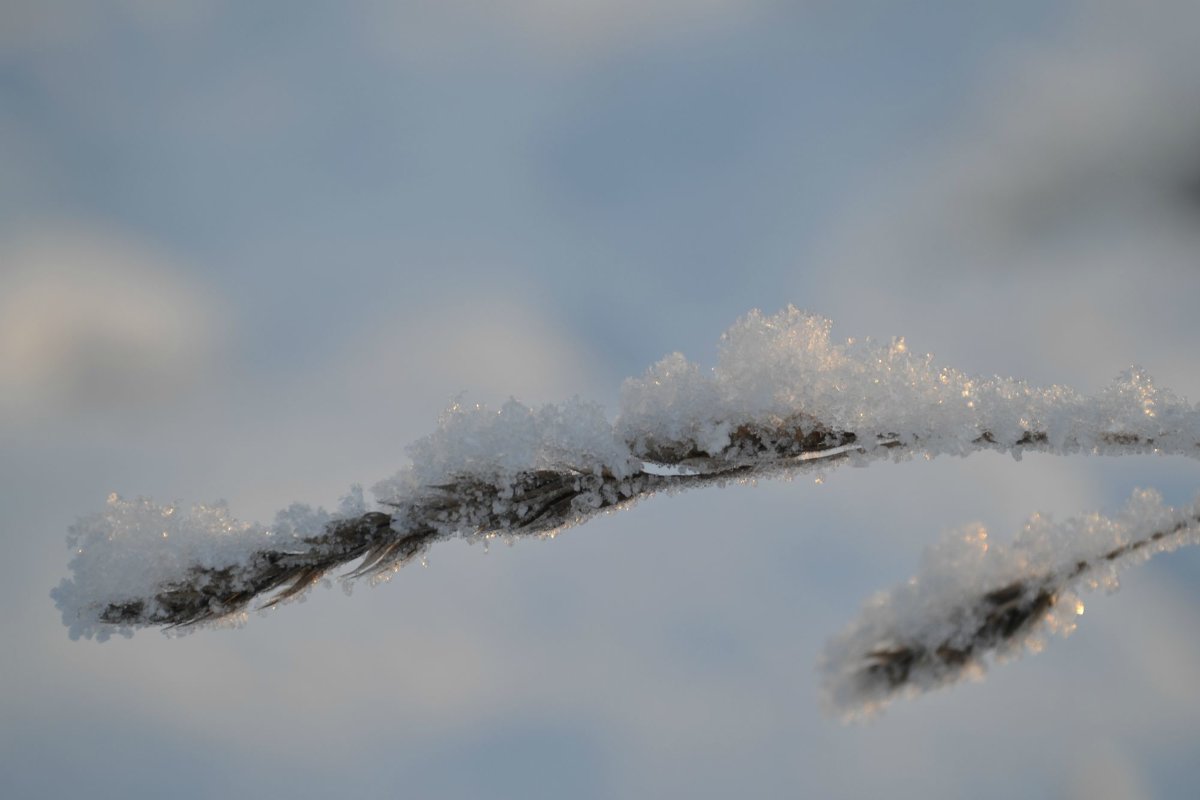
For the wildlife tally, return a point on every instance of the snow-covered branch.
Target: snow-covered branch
(973, 600)
(783, 397)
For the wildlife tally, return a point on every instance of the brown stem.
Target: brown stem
(549, 499)
(1007, 614)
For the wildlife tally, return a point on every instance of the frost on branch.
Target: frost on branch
(777, 374)
(783, 397)
(133, 554)
(971, 601)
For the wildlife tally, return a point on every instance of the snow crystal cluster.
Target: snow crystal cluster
(495, 447)
(779, 371)
(972, 600)
(134, 548)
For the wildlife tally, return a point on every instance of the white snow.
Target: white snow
(942, 605)
(786, 367)
(495, 445)
(133, 548)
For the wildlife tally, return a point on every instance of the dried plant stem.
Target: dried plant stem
(548, 499)
(1000, 618)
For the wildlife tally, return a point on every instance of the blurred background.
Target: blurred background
(250, 251)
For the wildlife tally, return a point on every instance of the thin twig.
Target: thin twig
(546, 500)
(993, 621)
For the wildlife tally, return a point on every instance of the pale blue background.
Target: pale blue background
(250, 251)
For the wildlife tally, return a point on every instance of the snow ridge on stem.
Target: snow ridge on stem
(972, 602)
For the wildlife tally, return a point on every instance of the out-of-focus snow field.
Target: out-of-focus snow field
(252, 253)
